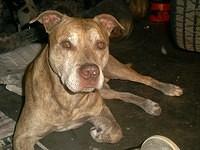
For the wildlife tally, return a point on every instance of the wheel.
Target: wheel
(185, 24)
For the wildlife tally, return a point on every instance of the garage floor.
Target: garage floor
(151, 52)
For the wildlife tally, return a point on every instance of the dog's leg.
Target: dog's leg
(105, 129)
(147, 105)
(24, 143)
(30, 128)
(116, 70)
(25, 139)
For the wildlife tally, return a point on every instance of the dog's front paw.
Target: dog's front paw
(152, 107)
(172, 90)
(97, 134)
(109, 135)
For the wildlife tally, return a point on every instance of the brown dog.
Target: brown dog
(65, 85)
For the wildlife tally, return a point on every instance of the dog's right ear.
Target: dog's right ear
(49, 19)
(108, 22)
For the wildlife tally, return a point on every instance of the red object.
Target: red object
(159, 12)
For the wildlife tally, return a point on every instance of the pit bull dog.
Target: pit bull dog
(65, 85)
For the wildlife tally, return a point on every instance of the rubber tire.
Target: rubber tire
(185, 24)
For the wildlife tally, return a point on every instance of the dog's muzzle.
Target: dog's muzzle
(89, 76)
(84, 78)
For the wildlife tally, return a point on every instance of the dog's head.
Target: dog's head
(78, 48)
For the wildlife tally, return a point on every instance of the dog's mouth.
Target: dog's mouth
(77, 89)
(83, 86)
(88, 86)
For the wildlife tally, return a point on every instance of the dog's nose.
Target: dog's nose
(89, 71)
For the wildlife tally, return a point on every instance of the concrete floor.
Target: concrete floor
(152, 53)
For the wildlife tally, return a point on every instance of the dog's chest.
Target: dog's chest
(72, 124)
(80, 112)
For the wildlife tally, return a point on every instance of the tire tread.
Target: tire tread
(186, 24)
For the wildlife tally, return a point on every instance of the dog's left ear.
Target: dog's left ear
(49, 19)
(108, 22)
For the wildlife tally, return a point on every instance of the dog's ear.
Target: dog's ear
(49, 19)
(108, 22)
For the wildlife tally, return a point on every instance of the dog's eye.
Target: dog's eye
(101, 45)
(66, 44)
